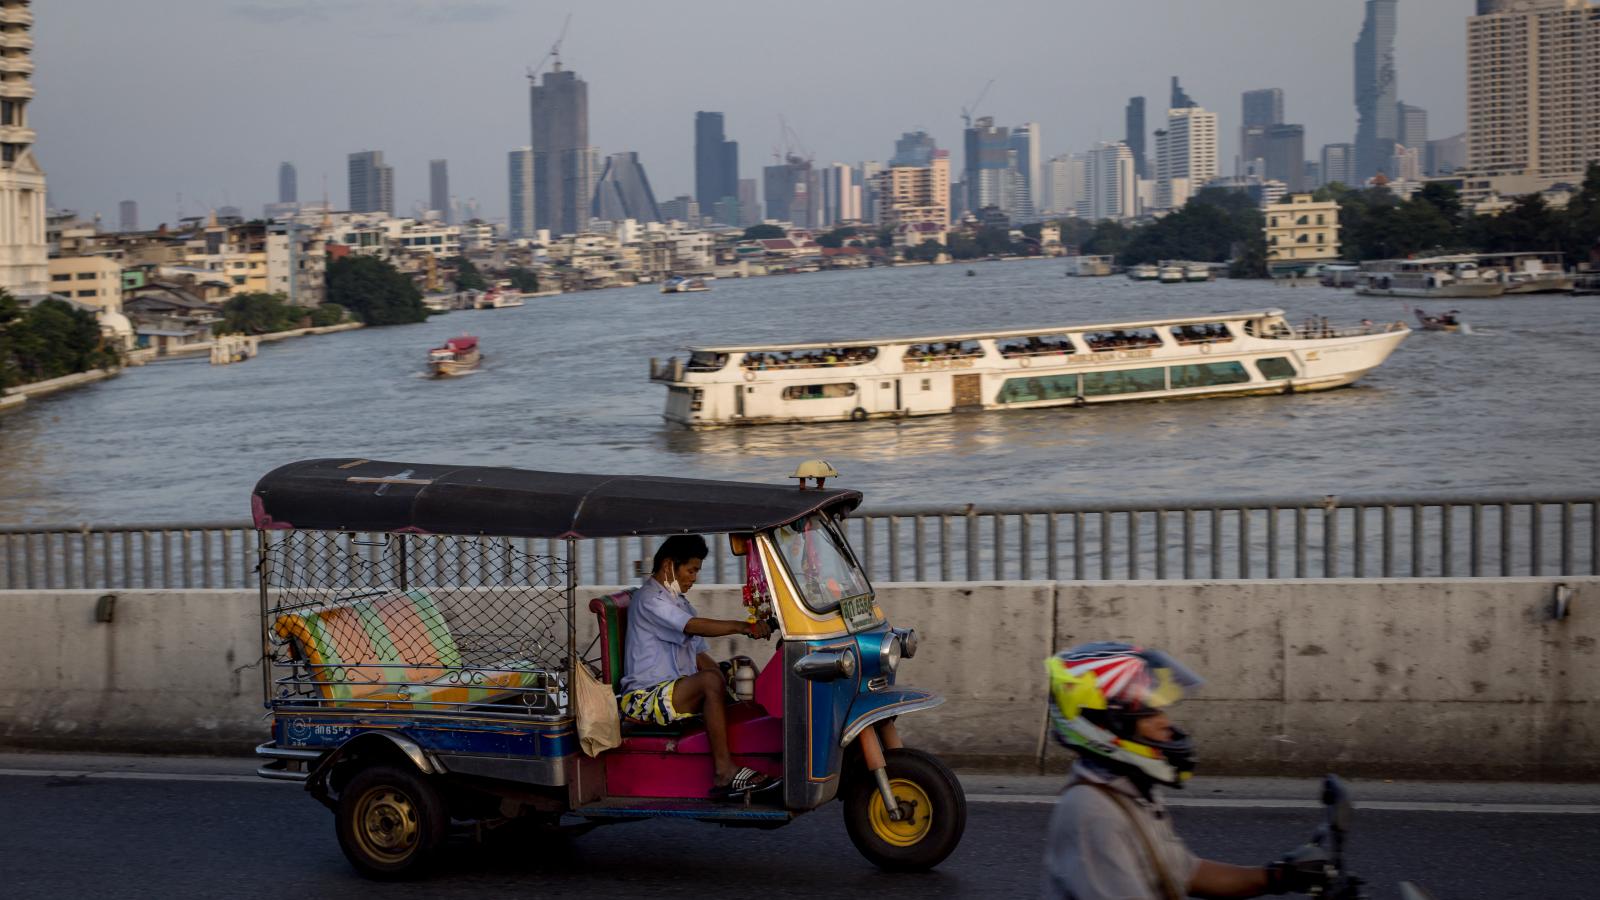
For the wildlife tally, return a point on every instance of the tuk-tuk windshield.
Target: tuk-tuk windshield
(821, 563)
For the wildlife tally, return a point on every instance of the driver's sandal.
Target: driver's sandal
(746, 781)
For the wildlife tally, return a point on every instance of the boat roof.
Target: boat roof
(1016, 332)
(345, 494)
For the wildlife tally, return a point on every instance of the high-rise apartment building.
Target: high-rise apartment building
(623, 191)
(24, 255)
(915, 194)
(1110, 183)
(914, 148)
(988, 179)
(1133, 120)
(867, 177)
(1284, 154)
(439, 190)
(288, 183)
(128, 216)
(1186, 155)
(749, 203)
(520, 169)
(716, 162)
(1064, 183)
(1339, 164)
(1027, 194)
(371, 183)
(1376, 90)
(1413, 126)
(791, 192)
(565, 166)
(1533, 94)
(841, 196)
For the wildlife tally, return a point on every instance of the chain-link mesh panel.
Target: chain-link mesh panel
(427, 623)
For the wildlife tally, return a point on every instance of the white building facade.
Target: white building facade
(1109, 183)
(24, 263)
(1186, 155)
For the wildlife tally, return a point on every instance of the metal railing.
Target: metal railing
(1331, 537)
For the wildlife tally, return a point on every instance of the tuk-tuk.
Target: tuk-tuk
(421, 631)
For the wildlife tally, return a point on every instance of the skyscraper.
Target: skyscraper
(1376, 90)
(128, 216)
(288, 184)
(1413, 126)
(623, 191)
(1064, 182)
(564, 165)
(1134, 136)
(791, 191)
(1532, 98)
(1186, 155)
(371, 183)
(439, 189)
(1027, 198)
(988, 166)
(24, 256)
(910, 194)
(914, 148)
(1339, 164)
(1180, 99)
(520, 169)
(841, 196)
(749, 203)
(1262, 107)
(1284, 151)
(716, 162)
(1110, 191)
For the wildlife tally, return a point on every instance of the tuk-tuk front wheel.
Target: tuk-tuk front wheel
(934, 812)
(389, 821)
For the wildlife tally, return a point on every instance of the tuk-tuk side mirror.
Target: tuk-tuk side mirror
(739, 544)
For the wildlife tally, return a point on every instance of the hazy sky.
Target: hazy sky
(152, 99)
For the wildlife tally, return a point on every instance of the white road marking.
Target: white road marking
(1570, 809)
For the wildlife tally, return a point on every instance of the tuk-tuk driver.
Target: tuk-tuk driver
(669, 674)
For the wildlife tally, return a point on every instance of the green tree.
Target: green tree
(838, 236)
(327, 314)
(468, 278)
(376, 292)
(1581, 242)
(10, 312)
(54, 339)
(258, 313)
(523, 280)
(763, 232)
(927, 251)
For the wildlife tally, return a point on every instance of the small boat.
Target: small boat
(498, 298)
(1170, 274)
(458, 356)
(1196, 272)
(1450, 321)
(681, 284)
(1144, 272)
(971, 272)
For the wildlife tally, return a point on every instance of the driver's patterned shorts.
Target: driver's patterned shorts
(653, 704)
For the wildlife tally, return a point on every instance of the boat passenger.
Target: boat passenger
(669, 674)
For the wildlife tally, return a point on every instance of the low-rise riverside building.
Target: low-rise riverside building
(1301, 232)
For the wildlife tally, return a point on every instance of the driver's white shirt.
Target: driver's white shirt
(1093, 853)
(657, 648)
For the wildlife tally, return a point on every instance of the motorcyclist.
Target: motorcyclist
(1110, 836)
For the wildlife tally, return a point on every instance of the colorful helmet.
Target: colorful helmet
(1098, 693)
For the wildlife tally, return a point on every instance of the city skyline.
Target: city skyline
(476, 116)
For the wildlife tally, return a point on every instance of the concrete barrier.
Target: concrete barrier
(1449, 678)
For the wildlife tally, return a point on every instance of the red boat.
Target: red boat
(458, 356)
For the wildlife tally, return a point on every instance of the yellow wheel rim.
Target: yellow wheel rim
(909, 830)
(386, 824)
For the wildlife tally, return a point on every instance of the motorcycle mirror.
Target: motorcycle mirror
(1409, 891)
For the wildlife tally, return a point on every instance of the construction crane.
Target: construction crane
(792, 147)
(555, 53)
(968, 111)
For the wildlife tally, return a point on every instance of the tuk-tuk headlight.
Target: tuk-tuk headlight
(908, 642)
(889, 654)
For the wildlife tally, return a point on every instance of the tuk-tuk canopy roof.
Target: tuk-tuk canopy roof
(373, 495)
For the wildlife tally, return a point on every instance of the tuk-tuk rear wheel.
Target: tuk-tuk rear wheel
(928, 790)
(389, 822)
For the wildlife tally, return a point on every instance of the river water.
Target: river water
(1512, 407)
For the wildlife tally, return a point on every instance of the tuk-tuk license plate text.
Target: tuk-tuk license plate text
(857, 612)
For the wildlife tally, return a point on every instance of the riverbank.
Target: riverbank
(16, 398)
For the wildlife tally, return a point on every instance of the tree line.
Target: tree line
(48, 340)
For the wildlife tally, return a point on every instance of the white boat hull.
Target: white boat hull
(1456, 291)
(892, 386)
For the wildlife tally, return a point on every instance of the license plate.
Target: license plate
(857, 612)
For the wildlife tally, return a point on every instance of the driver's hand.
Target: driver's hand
(758, 629)
(1299, 871)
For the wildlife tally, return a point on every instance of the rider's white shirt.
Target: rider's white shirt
(1093, 853)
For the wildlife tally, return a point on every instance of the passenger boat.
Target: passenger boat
(1252, 352)
(679, 284)
(1196, 272)
(1337, 275)
(1531, 272)
(1450, 321)
(1144, 272)
(1456, 277)
(1170, 274)
(458, 356)
(498, 298)
(1089, 266)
